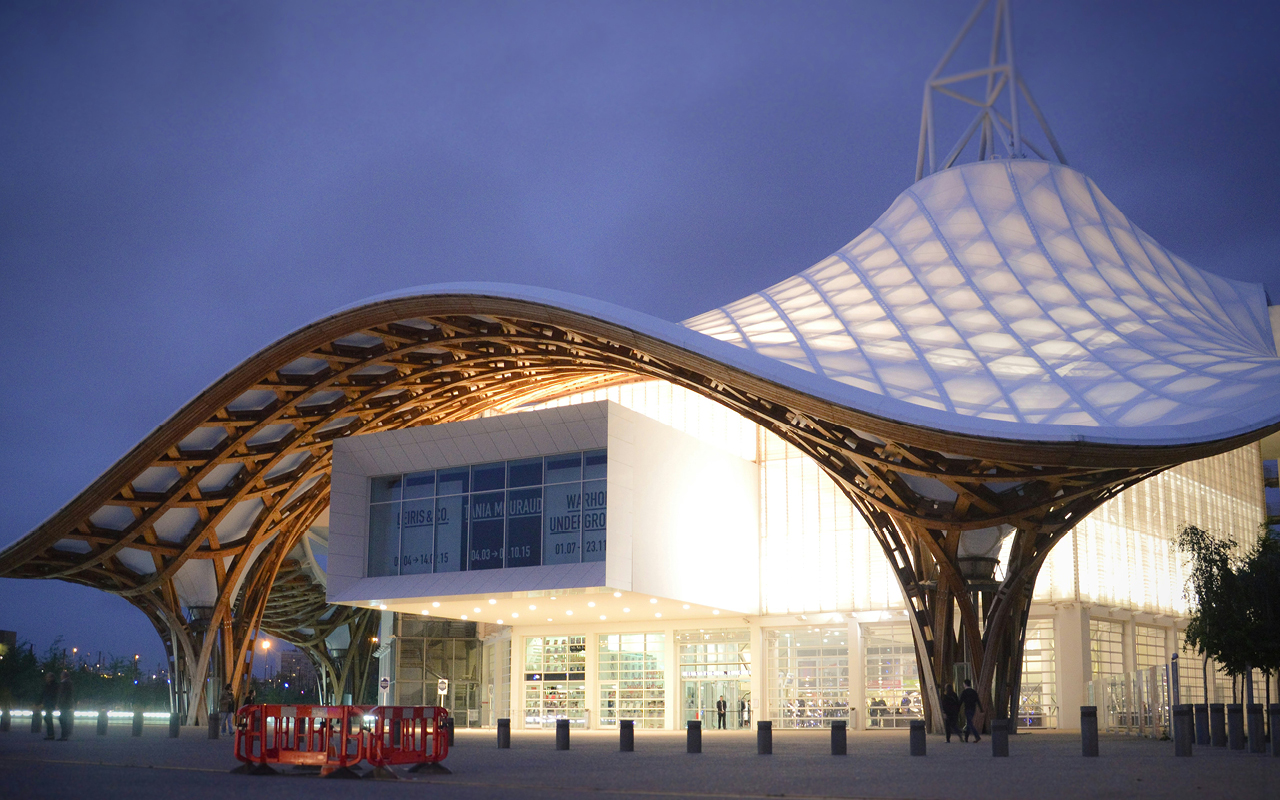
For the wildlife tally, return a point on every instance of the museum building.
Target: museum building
(641, 551)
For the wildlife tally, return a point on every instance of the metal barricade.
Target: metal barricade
(415, 735)
(328, 737)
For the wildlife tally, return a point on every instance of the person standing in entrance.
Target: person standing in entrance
(969, 699)
(951, 711)
(48, 701)
(66, 706)
(721, 708)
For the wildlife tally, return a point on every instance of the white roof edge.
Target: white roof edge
(1240, 422)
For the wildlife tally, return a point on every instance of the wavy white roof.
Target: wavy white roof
(1012, 296)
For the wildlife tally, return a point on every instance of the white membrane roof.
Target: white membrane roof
(1002, 299)
(1015, 293)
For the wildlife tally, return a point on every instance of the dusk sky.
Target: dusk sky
(183, 183)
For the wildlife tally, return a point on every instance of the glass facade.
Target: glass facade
(1038, 705)
(521, 513)
(816, 556)
(715, 664)
(1106, 648)
(807, 676)
(632, 673)
(555, 674)
(892, 679)
(428, 650)
(1148, 645)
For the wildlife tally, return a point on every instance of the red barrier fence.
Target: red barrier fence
(407, 735)
(335, 739)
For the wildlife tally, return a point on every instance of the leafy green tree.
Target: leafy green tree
(1236, 601)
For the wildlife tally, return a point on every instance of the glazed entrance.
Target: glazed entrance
(715, 664)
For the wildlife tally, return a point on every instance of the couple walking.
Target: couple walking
(951, 705)
(62, 696)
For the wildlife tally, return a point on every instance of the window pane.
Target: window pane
(524, 527)
(452, 481)
(524, 473)
(384, 489)
(562, 469)
(417, 536)
(487, 523)
(562, 524)
(487, 477)
(384, 539)
(451, 518)
(420, 484)
(594, 463)
(593, 520)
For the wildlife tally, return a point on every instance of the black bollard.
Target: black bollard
(6, 720)
(504, 733)
(626, 736)
(917, 737)
(449, 722)
(1235, 726)
(1000, 738)
(137, 723)
(839, 738)
(1089, 731)
(174, 726)
(562, 734)
(102, 722)
(35, 721)
(1273, 711)
(1202, 724)
(693, 738)
(214, 719)
(764, 738)
(1257, 737)
(1217, 725)
(1182, 735)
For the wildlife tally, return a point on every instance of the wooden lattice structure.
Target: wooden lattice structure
(436, 358)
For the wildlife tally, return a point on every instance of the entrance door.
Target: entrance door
(464, 703)
(700, 699)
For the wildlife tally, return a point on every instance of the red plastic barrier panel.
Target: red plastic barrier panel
(329, 737)
(407, 735)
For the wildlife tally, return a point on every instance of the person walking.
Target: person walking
(969, 699)
(66, 706)
(48, 701)
(950, 711)
(227, 705)
(721, 708)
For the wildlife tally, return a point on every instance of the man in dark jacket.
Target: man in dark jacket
(721, 708)
(951, 711)
(48, 701)
(969, 699)
(66, 706)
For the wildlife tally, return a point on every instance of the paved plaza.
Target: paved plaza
(1040, 765)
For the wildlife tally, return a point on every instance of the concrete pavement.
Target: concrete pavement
(1044, 766)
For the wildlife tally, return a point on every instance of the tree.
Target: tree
(1236, 601)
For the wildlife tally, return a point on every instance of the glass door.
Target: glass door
(892, 680)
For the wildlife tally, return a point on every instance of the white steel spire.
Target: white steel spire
(998, 80)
